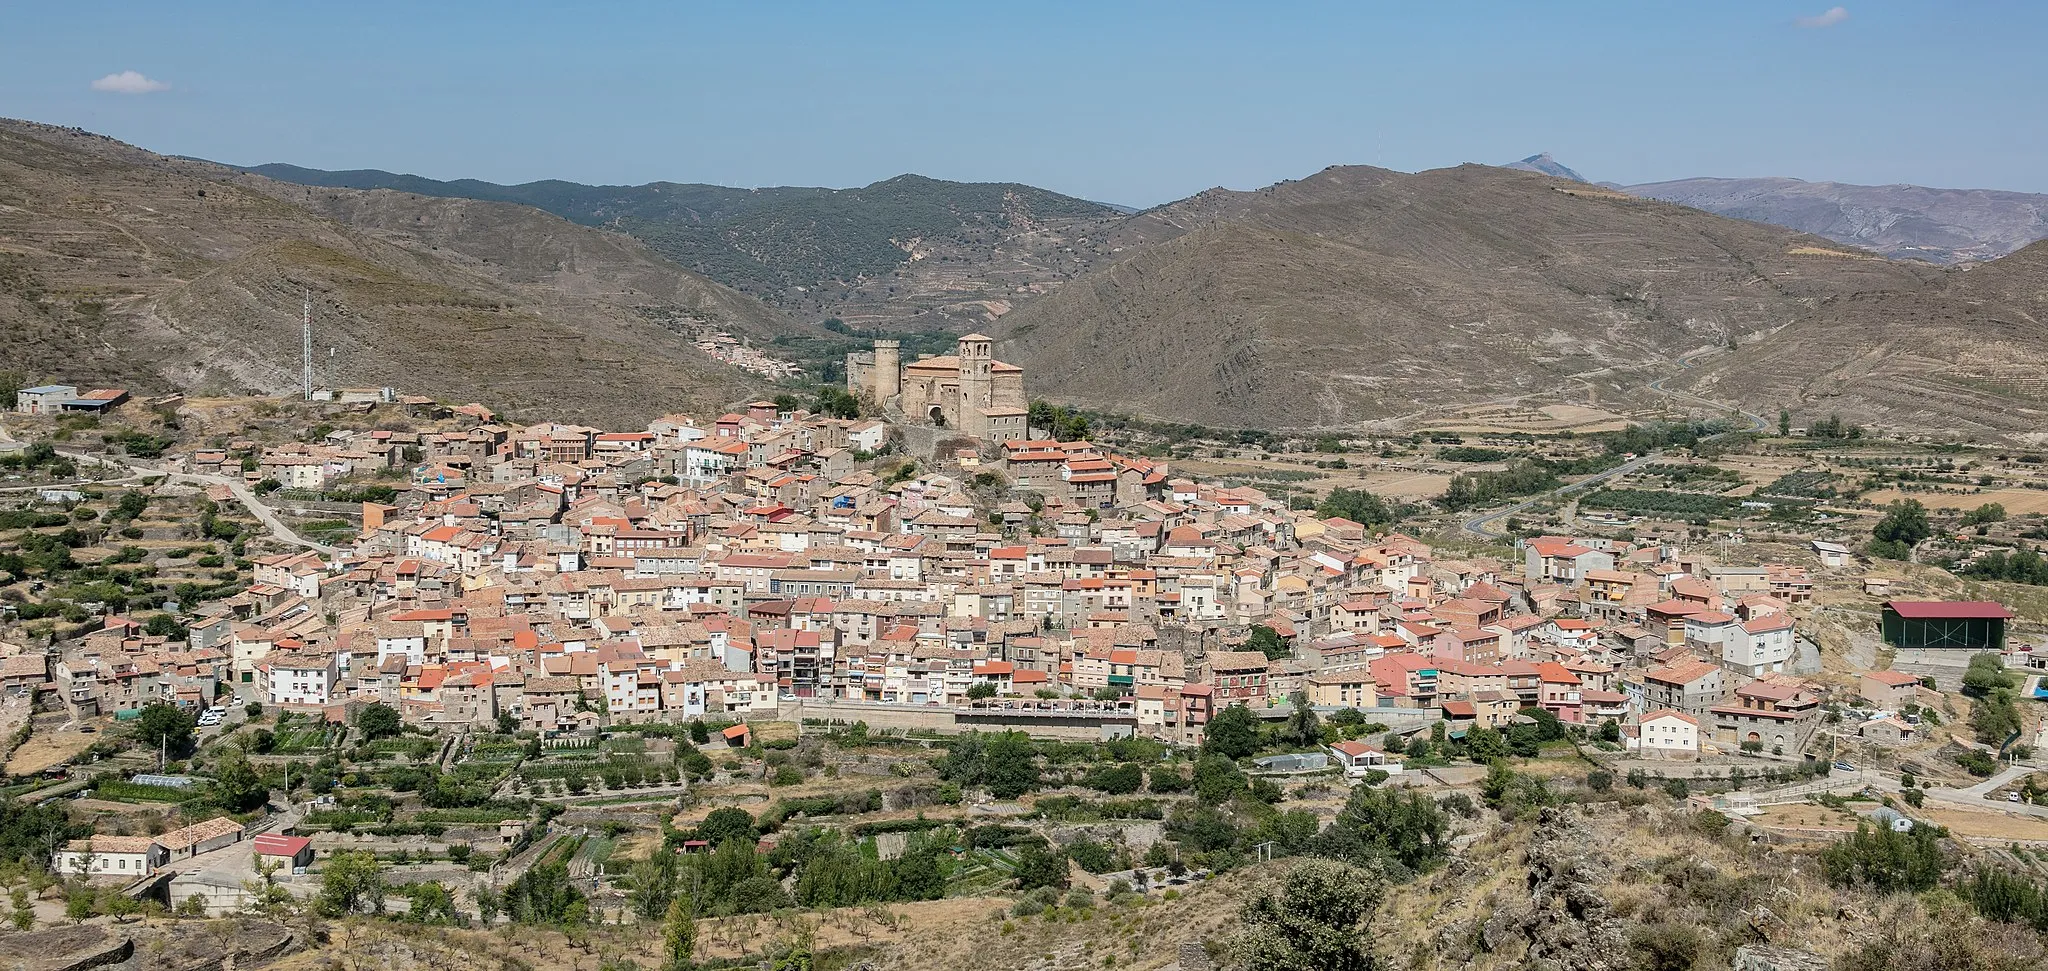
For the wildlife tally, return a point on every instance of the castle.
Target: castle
(970, 390)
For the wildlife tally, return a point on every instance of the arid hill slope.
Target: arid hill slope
(1966, 354)
(1360, 293)
(120, 266)
(1938, 225)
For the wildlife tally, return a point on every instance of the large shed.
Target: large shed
(1974, 625)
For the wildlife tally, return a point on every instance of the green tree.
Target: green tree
(352, 881)
(679, 937)
(725, 824)
(651, 885)
(1784, 423)
(977, 692)
(1233, 733)
(545, 895)
(1217, 779)
(1484, 744)
(428, 902)
(1394, 827)
(165, 727)
(1268, 641)
(236, 786)
(377, 720)
(1012, 765)
(1120, 779)
(1986, 674)
(1877, 858)
(1357, 505)
(1903, 527)
(1317, 922)
(1989, 512)
(1303, 726)
(1995, 717)
(1039, 866)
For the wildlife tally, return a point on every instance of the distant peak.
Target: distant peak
(1544, 164)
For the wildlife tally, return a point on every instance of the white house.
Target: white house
(119, 856)
(1668, 732)
(1358, 758)
(297, 679)
(1760, 646)
(1831, 554)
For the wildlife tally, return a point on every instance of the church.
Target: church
(969, 390)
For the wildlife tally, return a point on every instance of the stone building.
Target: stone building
(969, 390)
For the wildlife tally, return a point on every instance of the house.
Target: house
(201, 837)
(295, 852)
(1692, 687)
(45, 400)
(1342, 689)
(119, 856)
(1831, 554)
(1669, 733)
(1358, 758)
(737, 736)
(1888, 730)
(1890, 690)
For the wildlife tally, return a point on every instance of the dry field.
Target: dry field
(2017, 502)
(1991, 825)
(1508, 419)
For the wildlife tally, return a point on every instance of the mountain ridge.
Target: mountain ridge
(161, 273)
(885, 255)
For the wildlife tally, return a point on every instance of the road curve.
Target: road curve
(1482, 524)
(276, 525)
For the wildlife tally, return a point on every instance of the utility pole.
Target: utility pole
(306, 347)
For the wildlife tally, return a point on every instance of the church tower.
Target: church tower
(977, 383)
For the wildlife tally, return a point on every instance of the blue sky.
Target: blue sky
(1136, 103)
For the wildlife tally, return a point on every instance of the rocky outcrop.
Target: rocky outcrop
(1562, 918)
(1764, 957)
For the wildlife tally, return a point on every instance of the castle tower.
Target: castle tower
(977, 385)
(888, 374)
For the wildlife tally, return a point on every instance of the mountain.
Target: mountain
(1361, 293)
(907, 252)
(1937, 225)
(1964, 354)
(119, 266)
(1545, 165)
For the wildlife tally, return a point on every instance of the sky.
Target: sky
(1135, 103)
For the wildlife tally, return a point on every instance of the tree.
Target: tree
(1268, 641)
(428, 902)
(377, 720)
(351, 882)
(726, 824)
(1985, 675)
(1317, 922)
(1784, 423)
(1039, 866)
(679, 937)
(651, 885)
(236, 786)
(1995, 718)
(1011, 765)
(1485, 744)
(1120, 779)
(166, 728)
(1233, 733)
(1903, 527)
(1303, 726)
(977, 692)
(1217, 779)
(1989, 512)
(1395, 827)
(1357, 505)
(1877, 858)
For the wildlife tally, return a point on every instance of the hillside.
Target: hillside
(910, 251)
(120, 266)
(1543, 164)
(1938, 225)
(1967, 354)
(1361, 293)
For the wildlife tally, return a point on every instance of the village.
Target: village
(471, 655)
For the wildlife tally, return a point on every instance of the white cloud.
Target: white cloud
(1833, 16)
(129, 82)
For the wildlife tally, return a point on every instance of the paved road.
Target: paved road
(1483, 524)
(264, 514)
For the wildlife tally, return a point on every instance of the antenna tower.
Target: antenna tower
(306, 348)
